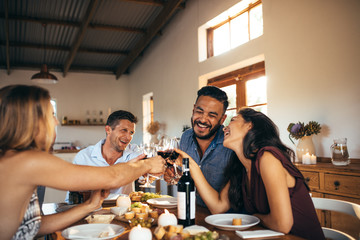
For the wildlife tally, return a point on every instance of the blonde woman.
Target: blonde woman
(27, 131)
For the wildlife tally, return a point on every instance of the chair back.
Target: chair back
(349, 208)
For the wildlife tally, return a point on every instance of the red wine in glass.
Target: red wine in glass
(173, 170)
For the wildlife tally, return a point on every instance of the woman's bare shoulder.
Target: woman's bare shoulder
(25, 159)
(268, 157)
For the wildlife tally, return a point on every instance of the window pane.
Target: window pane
(231, 93)
(256, 22)
(239, 30)
(256, 91)
(221, 39)
(230, 114)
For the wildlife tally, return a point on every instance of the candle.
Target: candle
(138, 232)
(306, 159)
(313, 159)
(167, 219)
(123, 201)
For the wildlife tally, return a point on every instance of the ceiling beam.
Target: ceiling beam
(67, 49)
(48, 21)
(81, 34)
(56, 68)
(7, 36)
(146, 2)
(152, 2)
(160, 20)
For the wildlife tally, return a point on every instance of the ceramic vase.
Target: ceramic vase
(305, 145)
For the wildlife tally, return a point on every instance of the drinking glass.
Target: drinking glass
(173, 160)
(150, 151)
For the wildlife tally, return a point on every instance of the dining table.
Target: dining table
(201, 214)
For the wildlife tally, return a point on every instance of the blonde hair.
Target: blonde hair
(24, 111)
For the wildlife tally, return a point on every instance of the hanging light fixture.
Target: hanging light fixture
(44, 76)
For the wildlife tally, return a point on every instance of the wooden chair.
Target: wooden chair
(338, 206)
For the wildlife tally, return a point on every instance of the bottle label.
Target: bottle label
(181, 198)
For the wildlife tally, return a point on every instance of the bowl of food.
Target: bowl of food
(100, 218)
(143, 222)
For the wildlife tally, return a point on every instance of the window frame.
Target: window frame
(240, 77)
(210, 31)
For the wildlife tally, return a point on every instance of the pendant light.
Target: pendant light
(44, 76)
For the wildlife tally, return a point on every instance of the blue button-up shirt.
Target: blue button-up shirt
(214, 160)
(92, 156)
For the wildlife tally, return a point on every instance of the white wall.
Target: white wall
(311, 51)
(75, 94)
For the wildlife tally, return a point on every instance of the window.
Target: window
(244, 87)
(53, 103)
(148, 115)
(236, 26)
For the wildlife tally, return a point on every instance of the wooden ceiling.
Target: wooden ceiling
(106, 36)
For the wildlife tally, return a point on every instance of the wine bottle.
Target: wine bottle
(186, 197)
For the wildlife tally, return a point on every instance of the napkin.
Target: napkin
(258, 234)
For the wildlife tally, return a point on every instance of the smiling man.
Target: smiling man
(204, 141)
(115, 148)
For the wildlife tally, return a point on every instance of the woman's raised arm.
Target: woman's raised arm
(215, 201)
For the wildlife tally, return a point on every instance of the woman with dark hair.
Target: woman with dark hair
(27, 131)
(261, 179)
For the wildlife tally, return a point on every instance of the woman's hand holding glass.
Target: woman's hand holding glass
(173, 160)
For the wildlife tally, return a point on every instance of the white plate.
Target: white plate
(92, 231)
(163, 202)
(224, 221)
(195, 229)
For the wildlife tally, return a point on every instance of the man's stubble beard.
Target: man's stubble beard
(212, 132)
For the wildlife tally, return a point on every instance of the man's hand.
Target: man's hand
(157, 165)
(134, 160)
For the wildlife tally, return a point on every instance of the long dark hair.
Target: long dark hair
(262, 134)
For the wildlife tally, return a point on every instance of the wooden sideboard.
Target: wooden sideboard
(336, 182)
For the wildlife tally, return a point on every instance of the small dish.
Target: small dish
(195, 229)
(224, 221)
(100, 218)
(119, 211)
(163, 202)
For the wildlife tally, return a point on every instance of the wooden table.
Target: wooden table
(201, 213)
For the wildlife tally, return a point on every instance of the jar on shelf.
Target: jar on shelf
(64, 120)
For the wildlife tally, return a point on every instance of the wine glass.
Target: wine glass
(150, 151)
(173, 160)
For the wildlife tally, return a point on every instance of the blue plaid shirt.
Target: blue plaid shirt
(214, 160)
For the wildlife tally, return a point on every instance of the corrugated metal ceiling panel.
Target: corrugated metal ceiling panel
(97, 43)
